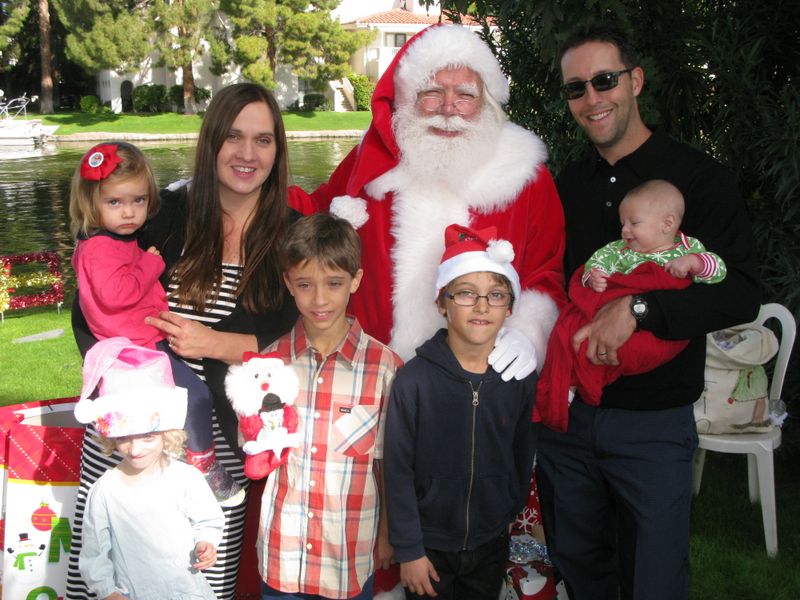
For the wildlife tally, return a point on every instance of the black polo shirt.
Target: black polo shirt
(591, 191)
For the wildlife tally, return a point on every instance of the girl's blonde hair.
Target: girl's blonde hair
(84, 195)
(174, 442)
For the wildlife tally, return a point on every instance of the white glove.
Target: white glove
(513, 354)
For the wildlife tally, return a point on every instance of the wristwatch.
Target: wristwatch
(639, 309)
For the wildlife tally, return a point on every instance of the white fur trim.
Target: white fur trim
(352, 210)
(500, 251)
(534, 313)
(136, 411)
(421, 213)
(472, 262)
(448, 46)
(85, 411)
(396, 593)
(422, 210)
(498, 178)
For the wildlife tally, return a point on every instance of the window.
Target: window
(395, 40)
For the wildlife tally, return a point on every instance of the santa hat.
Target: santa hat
(432, 49)
(473, 250)
(137, 393)
(447, 46)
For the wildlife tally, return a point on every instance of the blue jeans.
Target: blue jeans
(200, 402)
(615, 491)
(268, 593)
(469, 574)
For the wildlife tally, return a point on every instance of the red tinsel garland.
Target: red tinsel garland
(53, 295)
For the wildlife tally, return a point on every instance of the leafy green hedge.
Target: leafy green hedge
(316, 101)
(150, 98)
(362, 90)
(175, 95)
(91, 105)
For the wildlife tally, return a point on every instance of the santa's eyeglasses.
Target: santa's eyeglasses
(572, 90)
(433, 102)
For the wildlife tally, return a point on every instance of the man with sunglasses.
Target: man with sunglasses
(616, 487)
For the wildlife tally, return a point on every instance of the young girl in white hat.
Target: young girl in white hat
(151, 524)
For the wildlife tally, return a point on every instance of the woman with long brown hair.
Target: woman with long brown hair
(219, 236)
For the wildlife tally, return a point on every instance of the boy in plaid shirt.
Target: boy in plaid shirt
(322, 527)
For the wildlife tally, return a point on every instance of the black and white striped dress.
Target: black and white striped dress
(222, 576)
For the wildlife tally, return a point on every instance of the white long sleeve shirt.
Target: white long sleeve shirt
(139, 539)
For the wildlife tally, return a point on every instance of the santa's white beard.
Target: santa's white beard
(443, 160)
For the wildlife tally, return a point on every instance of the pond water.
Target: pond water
(34, 191)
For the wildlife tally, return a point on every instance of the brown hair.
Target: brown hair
(601, 32)
(330, 240)
(84, 194)
(498, 278)
(200, 267)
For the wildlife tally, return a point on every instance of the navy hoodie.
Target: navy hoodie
(458, 453)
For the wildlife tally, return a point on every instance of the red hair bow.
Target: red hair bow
(99, 162)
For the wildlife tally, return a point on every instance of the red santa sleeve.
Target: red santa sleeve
(301, 201)
(537, 232)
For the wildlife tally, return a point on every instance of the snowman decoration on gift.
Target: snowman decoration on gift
(262, 391)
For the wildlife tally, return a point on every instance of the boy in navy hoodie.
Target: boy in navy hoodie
(459, 440)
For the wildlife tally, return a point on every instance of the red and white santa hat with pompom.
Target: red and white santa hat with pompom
(473, 250)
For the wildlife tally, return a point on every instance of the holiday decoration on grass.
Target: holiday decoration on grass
(50, 279)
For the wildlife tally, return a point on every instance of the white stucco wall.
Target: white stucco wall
(109, 82)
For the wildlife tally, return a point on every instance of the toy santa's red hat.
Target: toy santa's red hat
(473, 250)
(137, 393)
(432, 49)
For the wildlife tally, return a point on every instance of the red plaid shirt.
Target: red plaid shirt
(319, 511)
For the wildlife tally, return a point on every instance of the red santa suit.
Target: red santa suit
(641, 353)
(401, 219)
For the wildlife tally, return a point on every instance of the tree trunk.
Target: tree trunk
(189, 107)
(46, 96)
(272, 51)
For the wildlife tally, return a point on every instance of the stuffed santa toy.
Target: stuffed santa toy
(262, 391)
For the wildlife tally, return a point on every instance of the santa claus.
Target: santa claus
(440, 150)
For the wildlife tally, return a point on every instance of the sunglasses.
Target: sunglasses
(572, 90)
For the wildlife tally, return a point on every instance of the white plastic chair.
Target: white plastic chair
(757, 446)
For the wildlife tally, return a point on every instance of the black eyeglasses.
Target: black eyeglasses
(572, 90)
(468, 298)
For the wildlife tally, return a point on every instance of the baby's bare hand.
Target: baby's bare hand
(598, 280)
(154, 250)
(684, 266)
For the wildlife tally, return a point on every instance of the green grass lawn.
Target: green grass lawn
(77, 122)
(38, 370)
(728, 559)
